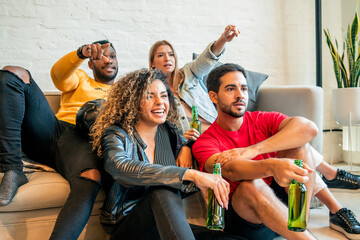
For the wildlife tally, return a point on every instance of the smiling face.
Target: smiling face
(164, 59)
(106, 68)
(155, 107)
(232, 97)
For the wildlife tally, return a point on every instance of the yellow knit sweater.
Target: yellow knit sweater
(76, 86)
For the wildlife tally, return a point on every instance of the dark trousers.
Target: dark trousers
(158, 216)
(28, 124)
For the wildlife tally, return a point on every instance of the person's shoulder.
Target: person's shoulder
(259, 117)
(257, 114)
(264, 114)
(209, 133)
(115, 130)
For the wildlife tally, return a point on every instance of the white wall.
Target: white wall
(277, 36)
(336, 16)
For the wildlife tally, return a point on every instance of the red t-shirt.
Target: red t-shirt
(256, 127)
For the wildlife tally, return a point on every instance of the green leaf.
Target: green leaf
(357, 72)
(353, 37)
(335, 58)
(350, 56)
(344, 74)
(354, 30)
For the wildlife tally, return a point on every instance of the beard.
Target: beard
(104, 77)
(227, 109)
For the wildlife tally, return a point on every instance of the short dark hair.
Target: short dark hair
(213, 80)
(102, 42)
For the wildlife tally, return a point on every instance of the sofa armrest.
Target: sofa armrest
(305, 101)
(53, 97)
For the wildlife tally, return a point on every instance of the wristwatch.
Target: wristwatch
(190, 143)
(79, 52)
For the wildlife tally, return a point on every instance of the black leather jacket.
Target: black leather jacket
(132, 174)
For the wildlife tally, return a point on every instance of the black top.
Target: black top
(163, 153)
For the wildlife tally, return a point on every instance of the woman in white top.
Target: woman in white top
(187, 83)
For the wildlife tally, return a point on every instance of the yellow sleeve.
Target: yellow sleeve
(64, 72)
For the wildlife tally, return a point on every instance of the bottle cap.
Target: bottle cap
(217, 169)
(299, 163)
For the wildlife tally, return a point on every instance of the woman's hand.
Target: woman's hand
(228, 35)
(220, 187)
(230, 32)
(184, 159)
(191, 134)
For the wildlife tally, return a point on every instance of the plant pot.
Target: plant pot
(346, 101)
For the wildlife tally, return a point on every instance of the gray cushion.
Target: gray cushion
(254, 80)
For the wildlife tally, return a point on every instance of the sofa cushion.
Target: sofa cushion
(254, 80)
(44, 190)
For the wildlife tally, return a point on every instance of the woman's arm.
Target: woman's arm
(228, 35)
(203, 64)
(125, 165)
(204, 181)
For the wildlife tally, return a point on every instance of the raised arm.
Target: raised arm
(63, 72)
(203, 64)
(228, 35)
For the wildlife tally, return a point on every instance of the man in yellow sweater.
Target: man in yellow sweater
(28, 124)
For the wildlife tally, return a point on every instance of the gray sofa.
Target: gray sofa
(34, 209)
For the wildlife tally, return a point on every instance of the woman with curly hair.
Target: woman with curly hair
(140, 147)
(187, 83)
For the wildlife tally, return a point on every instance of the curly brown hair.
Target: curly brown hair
(122, 106)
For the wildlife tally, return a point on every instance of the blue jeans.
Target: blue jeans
(28, 124)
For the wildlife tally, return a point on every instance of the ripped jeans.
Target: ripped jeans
(28, 124)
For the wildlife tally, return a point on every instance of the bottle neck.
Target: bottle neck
(217, 169)
(194, 112)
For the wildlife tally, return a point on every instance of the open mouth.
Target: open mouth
(158, 112)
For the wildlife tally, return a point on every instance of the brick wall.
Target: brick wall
(277, 36)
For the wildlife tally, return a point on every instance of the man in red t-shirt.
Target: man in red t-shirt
(261, 147)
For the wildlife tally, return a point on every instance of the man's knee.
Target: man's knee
(249, 198)
(303, 152)
(251, 192)
(20, 72)
(92, 174)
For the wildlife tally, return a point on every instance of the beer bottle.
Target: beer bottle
(297, 204)
(215, 213)
(195, 122)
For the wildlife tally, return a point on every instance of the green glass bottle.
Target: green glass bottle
(215, 213)
(195, 122)
(297, 204)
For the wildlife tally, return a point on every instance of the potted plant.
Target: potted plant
(346, 98)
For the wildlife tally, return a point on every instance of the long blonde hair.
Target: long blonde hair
(122, 106)
(177, 76)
